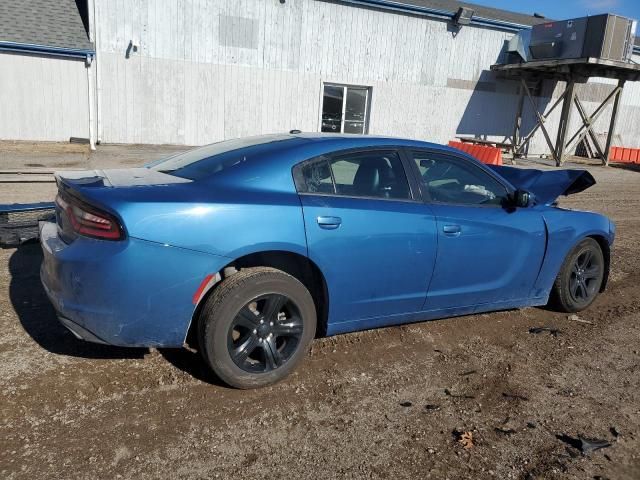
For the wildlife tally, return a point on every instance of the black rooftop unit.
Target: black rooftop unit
(607, 37)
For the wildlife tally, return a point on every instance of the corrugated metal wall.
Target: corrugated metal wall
(42, 98)
(206, 70)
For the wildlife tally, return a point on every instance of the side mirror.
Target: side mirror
(522, 198)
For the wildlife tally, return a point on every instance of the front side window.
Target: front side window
(375, 174)
(344, 109)
(451, 181)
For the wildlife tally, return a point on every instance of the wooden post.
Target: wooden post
(612, 124)
(565, 118)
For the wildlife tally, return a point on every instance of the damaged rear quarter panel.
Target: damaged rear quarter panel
(86, 281)
(226, 224)
(228, 217)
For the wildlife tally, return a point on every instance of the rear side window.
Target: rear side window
(372, 174)
(449, 180)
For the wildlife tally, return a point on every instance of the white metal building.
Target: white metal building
(44, 82)
(198, 71)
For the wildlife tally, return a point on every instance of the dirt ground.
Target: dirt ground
(387, 403)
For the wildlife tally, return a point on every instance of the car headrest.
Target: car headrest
(371, 174)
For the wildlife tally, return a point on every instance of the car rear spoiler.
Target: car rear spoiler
(546, 185)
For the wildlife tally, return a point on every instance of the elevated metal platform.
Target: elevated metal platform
(571, 71)
(578, 70)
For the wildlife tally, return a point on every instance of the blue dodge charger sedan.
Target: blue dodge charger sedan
(250, 248)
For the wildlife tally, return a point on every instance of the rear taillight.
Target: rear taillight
(90, 221)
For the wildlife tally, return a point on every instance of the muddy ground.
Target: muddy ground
(388, 403)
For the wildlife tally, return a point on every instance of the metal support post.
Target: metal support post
(588, 122)
(518, 126)
(529, 135)
(565, 119)
(612, 124)
(541, 120)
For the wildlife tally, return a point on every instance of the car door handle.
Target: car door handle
(329, 223)
(452, 230)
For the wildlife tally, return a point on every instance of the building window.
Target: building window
(345, 109)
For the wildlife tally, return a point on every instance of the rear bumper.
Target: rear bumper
(131, 293)
(79, 332)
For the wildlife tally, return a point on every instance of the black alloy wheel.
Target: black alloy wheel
(586, 276)
(265, 333)
(255, 327)
(580, 279)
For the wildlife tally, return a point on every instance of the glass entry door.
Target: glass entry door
(344, 109)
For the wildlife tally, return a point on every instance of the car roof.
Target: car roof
(343, 141)
(267, 156)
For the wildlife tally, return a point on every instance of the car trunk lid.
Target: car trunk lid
(85, 189)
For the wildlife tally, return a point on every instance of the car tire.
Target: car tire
(256, 326)
(579, 281)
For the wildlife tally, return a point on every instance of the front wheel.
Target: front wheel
(256, 327)
(580, 278)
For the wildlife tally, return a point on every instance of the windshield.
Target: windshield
(205, 161)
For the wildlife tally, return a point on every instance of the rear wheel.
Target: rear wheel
(580, 278)
(256, 327)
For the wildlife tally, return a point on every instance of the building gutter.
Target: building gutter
(93, 38)
(444, 15)
(46, 50)
(91, 102)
